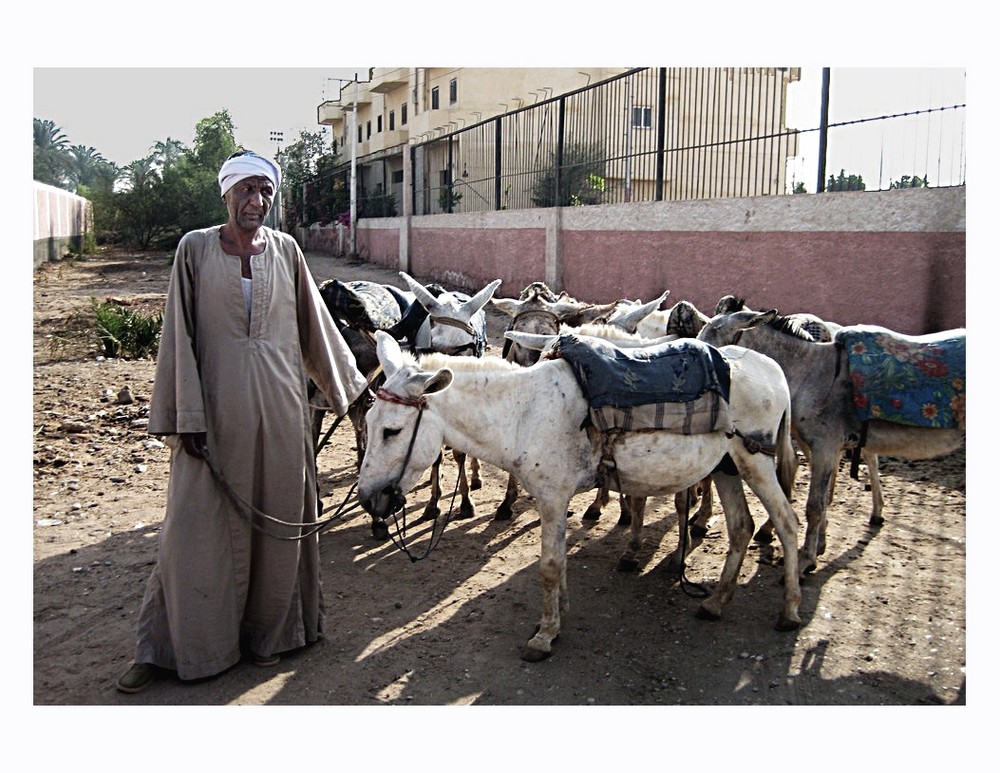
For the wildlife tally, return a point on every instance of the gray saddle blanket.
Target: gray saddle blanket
(681, 386)
(362, 305)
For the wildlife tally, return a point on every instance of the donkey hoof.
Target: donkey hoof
(429, 514)
(786, 624)
(698, 530)
(624, 520)
(627, 564)
(531, 655)
(380, 530)
(475, 485)
(704, 613)
(763, 537)
(504, 513)
(592, 514)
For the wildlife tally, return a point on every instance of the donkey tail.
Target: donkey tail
(788, 462)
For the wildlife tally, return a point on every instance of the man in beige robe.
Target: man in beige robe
(244, 329)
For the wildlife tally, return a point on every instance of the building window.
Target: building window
(397, 177)
(392, 120)
(435, 98)
(453, 91)
(402, 114)
(368, 129)
(378, 124)
(359, 133)
(642, 117)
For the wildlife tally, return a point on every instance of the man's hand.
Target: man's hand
(195, 443)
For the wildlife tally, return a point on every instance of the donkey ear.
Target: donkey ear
(437, 381)
(534, 341)
(422, 294)
(477, 301)
(508, 306)
(763, 318)
(388, 351)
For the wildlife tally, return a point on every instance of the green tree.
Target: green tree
(167, 152)
(213, 141)
(845, 183)
(87, 166)
(141, 220)
(581, 179)
(307, 172)
(52, 159)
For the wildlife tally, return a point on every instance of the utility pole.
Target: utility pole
(277, 138)
(354, 172)
(354, 161)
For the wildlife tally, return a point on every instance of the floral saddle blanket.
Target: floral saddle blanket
(914, 380)
(680, 386)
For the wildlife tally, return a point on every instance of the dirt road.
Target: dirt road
(884, 615)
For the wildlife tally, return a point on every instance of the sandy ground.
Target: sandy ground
(884, 615)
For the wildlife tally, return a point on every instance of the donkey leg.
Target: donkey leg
(431, 510)
(765, 485)
(625, 504)
(875, 482)
(822, 471)
(552, 570)
(465, 509)
(629, 561)
(700, 523)
(506, 509)
(739, 526)
(475, 482)
(600, 501)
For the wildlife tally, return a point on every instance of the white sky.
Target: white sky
(123, 111)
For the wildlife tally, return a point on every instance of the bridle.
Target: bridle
(477, 345)
(398, 499)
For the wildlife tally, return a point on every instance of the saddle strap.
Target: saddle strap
(752, 445)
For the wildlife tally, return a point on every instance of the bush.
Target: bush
(124, 331)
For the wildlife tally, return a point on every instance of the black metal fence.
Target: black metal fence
(657, 134)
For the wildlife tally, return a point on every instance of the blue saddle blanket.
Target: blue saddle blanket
(913, 380)
(681, 386)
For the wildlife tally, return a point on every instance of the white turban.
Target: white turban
(248, 165)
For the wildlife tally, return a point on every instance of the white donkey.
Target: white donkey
(455, 324)
(527, 421)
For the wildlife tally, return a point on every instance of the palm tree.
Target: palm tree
(51, 155)
(140, 174)
(87, 166)
(166, 152)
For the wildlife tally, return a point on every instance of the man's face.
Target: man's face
(249, 202)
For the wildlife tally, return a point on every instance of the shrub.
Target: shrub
(125, 331)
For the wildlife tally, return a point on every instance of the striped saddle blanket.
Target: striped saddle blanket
(913, 380)
(681, 386)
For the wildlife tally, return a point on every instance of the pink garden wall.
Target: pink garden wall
(891, 258)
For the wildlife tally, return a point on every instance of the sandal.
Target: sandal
(138, 677)
(266, 660)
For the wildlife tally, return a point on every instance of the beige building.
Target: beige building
(400, 107)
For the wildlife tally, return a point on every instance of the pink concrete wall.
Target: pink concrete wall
(891, 258)
(380, 246)
(910, 282)
(474, 257)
